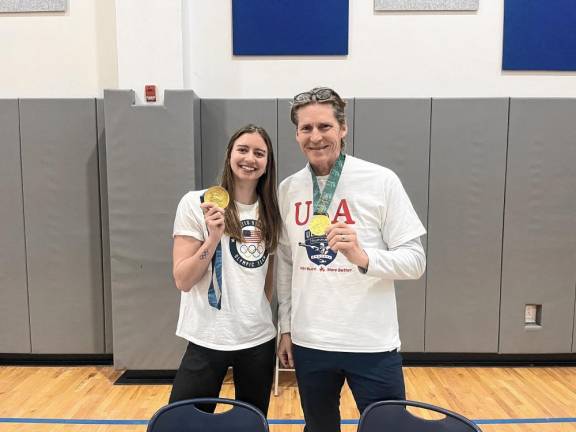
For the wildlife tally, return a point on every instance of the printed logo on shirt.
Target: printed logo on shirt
(317, 249)
(249, 253)
(317, 246)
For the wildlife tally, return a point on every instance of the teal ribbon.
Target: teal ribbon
(322, 200)
(215, 288)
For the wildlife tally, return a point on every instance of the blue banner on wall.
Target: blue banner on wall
(539, 35)
(290, 27)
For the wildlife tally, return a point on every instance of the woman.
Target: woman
(223, 267)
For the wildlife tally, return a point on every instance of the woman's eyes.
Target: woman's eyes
(258, 154)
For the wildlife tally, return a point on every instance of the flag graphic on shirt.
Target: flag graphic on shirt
(250, 252)
(251, 236)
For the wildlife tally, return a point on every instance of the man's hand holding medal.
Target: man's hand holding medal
(342, 238)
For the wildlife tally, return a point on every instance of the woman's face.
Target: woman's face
(248, 157)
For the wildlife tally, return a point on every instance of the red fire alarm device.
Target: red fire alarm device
(150, 91)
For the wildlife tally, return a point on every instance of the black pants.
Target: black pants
(321, 374)
(202, 372)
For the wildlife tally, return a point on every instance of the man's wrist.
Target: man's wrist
(363, 262)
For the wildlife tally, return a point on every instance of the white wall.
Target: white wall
(390, 55)
(175, 44)
(150, 44)
(58, 55)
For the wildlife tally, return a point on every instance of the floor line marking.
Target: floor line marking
(270, 421)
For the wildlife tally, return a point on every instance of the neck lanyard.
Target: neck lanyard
(322, 200)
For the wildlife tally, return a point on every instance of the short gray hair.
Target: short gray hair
(338, 104)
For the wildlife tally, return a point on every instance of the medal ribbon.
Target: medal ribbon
(322, 200)
(215, 289)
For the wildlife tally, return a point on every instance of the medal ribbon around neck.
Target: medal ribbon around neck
(322, 200)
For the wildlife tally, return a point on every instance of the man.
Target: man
(349, 231)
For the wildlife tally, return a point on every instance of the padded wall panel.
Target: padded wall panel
(539, 253)
(276, 27)
(220, 119)
(14, 316)
(150, 166)
(396, 134)
(539, 35)
(290, 158)
(105, 234)
(62, 217)
(467, 172)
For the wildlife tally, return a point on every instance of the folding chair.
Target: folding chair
(392, 416)
(184, 416)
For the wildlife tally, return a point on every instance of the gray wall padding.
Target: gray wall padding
(150, 166)
(220, 119)
(467, 173)
(106, 284)
(14, 316)
(62, 221)
(539, 253)
(396, 134)
(289, 156)
(87, 253)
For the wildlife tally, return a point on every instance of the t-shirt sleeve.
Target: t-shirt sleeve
(400, 222)
(284, 266)
(189, 219)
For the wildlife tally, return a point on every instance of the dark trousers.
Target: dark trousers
(321, 374)
(202, 372)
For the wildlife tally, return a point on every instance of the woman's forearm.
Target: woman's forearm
(190, 270)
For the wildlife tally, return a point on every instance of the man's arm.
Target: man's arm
(405, 261)
(284, 289)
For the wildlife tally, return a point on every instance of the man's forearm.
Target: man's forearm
(407, 261)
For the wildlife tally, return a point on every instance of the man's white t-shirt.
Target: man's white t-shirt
(325, 301)
(245, 317)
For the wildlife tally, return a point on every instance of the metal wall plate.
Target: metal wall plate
(10, 6)
(424, 5)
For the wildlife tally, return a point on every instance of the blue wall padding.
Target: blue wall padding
(539, 35)
(290, 27)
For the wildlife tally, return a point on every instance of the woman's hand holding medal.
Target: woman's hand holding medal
(214, 217)
(216, 199)
(342, 238)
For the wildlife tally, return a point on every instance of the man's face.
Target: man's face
(319, 135)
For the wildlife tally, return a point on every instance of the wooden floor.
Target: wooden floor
(478, 393)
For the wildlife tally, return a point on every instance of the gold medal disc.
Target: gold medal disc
(217, 195)
(319, 224)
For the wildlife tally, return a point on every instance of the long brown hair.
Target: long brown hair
(268, 212)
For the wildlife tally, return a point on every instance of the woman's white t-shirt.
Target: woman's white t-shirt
(245, 317)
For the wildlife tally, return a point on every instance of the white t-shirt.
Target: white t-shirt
(325, 301)
(245, 317)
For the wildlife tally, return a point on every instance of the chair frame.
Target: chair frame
(415, 404)
(232, 402)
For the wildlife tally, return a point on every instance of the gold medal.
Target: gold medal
(319, 224)
(217, 195)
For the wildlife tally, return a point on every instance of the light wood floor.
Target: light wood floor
(477, 393)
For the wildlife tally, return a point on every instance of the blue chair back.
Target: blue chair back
(392, 416)
(184, 416)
